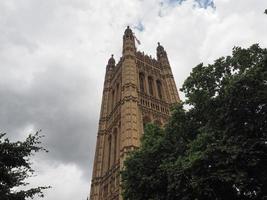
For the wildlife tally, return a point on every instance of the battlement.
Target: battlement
(140, 56)
(147, 59)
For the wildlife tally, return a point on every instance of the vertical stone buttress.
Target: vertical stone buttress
(129, 108)
(101, 136)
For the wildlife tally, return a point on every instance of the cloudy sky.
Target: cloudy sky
(53, 55)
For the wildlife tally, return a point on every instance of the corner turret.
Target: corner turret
(111, 63)
(172, 93)
(161, 52)
(128, 33)
(128, 42)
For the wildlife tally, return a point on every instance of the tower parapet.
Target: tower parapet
(147, 59)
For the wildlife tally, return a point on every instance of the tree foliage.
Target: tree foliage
(15, 167)
(217, 148)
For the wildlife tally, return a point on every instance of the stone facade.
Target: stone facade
(137, 90)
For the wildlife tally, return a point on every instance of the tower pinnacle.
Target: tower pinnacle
(128, 42)
(128, 31)
(111, 61)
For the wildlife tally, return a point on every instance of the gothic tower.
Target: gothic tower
(137, 90)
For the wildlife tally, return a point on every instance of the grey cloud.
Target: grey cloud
(49, 80)
(53, 56)
(58, 101)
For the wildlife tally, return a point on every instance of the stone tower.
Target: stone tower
(137, 90)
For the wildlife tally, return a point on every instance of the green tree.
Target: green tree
(138, 174)
(265, 11)
(215, 149)
(15, 167)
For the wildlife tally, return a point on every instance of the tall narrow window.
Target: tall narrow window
(105, 193)
(115, 145)
(113, 99)
(118, 93)
(141, 81)
(150, 85)
(109, 151)
(159, 87)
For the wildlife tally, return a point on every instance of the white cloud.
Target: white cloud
(53, 56)
(66, 181)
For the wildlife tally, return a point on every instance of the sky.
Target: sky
(53, 55)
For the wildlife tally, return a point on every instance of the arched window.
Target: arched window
(150, 85)
(159, 88)
(141, 82)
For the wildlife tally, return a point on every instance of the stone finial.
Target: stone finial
(111, 61)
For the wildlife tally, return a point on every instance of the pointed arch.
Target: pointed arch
(151, 85)
(142, 82)
(159, 89)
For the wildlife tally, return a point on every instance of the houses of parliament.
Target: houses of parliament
(138, 89)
